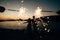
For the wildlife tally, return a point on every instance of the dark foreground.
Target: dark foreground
(54, 34)
(10, 34)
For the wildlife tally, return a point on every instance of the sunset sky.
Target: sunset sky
(29, 7)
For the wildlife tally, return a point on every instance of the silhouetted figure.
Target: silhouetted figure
(29, 28)
(29, 24)
(34, 23)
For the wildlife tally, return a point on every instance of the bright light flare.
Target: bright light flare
(37, 13)
(22, 1)
(22, 12)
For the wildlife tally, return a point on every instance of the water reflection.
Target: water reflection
(13, 24)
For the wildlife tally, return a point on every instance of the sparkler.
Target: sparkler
(38, 12)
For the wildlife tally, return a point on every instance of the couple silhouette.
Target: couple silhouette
(31, 24)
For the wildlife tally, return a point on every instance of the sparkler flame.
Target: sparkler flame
(22, 12)
(37, 13)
